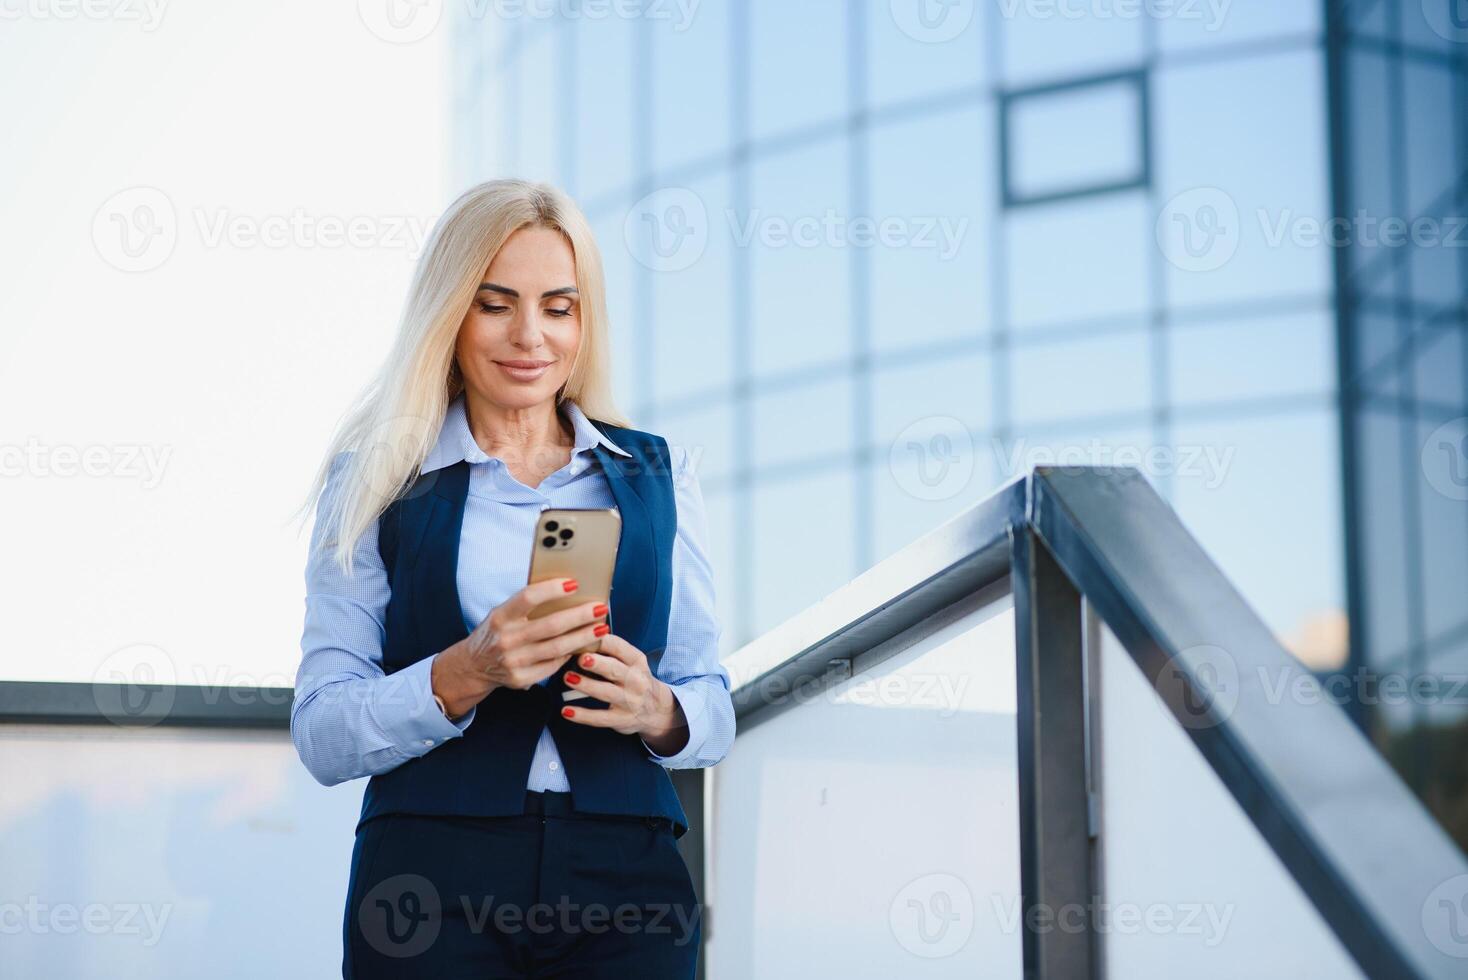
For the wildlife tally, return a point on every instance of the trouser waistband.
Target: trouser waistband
(550, 803)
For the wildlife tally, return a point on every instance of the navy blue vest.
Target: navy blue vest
(483, 773)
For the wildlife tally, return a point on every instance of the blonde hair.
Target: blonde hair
(384, 438)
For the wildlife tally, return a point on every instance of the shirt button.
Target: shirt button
(428, 741)
(554, 765)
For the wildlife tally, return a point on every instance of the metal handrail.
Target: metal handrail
(1319, 794)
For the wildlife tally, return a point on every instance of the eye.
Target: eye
(565, 312)
(492, 307)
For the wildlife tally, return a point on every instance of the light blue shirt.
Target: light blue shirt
(349, 719)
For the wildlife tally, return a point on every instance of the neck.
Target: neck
(498, 429)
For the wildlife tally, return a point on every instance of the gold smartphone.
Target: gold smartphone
(580, 544)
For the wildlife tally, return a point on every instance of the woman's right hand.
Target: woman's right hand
(508, 649)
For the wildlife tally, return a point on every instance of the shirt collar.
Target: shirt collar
(456, 443)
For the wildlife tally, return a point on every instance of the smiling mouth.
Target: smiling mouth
(524, 370)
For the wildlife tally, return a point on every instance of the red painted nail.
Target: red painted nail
(569, 585)
(572, 678)
(600, 609)
(568, 712)
(602, 629)
(588, 661)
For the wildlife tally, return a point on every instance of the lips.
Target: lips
(524, 370)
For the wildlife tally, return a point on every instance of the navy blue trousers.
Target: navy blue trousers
(551, 893)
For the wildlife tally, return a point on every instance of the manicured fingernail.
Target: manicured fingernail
(573, 678)
(602, 629)
(568, 712)
(588, 661)
(569, 585)
(600, 609)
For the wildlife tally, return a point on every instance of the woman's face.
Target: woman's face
(519, 338)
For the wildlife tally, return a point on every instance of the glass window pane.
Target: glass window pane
(1191, 26)
(1270, 515)
(800, 261)
(1056, 41)
(1265, 357)
(803, 423)
(1045, 128)
(1372, 176)
(1441, 369)
(692, 296)
(165, 833)
(797, 64)
(958, 385)
(1080, 444)
(691, 85)
(931, 280)
(1434, 25)
(1443, 507)
(1079, 260)
(917, 49)
(918, 485)
(1159, 798)
(1432, 112)
(707, 433)
(1081, 378)
(604, 127)
(816, 868)
(1384, 541)
(542, 86)
(629, 372)
(720, 507)
(806, 547)
(1246, 200)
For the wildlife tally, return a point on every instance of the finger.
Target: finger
(601, 690)
(598, 717)
(519, 605)
(564, 620)
(559, 647)
(609, 667)
(613, 645)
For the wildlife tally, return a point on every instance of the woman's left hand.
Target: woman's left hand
(637, 702)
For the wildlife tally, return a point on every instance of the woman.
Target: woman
(505, 832)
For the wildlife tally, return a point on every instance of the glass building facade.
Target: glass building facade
(871, 260)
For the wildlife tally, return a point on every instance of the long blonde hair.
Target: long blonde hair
(387, 434)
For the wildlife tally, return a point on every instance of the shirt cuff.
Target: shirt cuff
(410, 716)
(691, 700)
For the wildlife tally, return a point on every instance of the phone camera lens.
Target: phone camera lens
(566, 533)
(548, 541)
(551, 525)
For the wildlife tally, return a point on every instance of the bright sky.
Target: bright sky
(210, 220)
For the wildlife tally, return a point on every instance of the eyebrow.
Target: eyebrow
(563, 291)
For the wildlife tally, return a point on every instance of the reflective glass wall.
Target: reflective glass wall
(1403, 152)
(873, 259)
